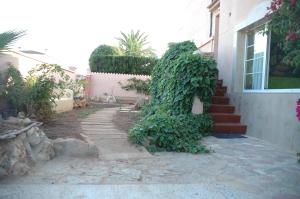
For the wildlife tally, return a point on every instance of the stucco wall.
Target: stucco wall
(270, 116)
(102, 84)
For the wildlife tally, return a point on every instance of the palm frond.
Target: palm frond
(9, 37)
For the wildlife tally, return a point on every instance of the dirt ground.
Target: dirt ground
(125, 120)
(67, 124)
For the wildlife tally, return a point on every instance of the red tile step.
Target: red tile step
(217, 108)
(220, 92)
(225, 118)
(229, 128)
(220, 100)
(219, 82)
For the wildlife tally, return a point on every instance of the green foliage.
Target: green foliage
(285, 25)
(180, 75)
(134, 44)
(9, 37)
(15, 93)
(122, 64)
(36, 94)
(168, 123)
(102, 50)
(140, 86)
(45, 84)
(181, 133)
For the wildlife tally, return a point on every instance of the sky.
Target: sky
(71, 30)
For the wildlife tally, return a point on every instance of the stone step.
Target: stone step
(98, 137)
(111, 131)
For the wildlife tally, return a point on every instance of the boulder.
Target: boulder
(26, 121)
(14, 157)
(35, 136)
(13, 120)
(74, 147)
(43, 151)
(21, 115)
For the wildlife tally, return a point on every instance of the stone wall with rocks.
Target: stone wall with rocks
(25, 145)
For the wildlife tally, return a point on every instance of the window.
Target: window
(255, 60)
(263, 64)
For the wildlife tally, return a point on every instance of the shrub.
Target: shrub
(122, 64)
(168, 123)
(45, 84)
(139, 85)
(181, 133)
(13, 92)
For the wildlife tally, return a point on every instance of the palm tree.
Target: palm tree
(134, 44)
(9, 37)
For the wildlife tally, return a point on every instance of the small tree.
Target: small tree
(45, 84)
(134, 44)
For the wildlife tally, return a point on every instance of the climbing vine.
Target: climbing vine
(168, 123)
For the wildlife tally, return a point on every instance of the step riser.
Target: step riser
(220, 100)
(229, 129)
(226, 119)
(219, 92)
(220, 109)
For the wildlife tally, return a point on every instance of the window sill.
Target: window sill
(273, 91)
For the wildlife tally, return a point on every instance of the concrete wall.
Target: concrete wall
(103, 84)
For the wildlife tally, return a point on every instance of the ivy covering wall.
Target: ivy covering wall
(167, 123)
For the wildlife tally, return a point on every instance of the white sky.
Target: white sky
(71, 30)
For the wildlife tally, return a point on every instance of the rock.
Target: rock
(35, 136)
(14, 157)
(74, 147)
(19, 154)
(44, 151)
(21, 115)
(13, 120)
(26, 121)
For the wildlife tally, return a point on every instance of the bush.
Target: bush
(181, 133)
(45, 84)
(122, 64)
(36, 95)
(168, 123)
(140, 86)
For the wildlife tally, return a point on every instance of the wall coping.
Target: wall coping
(118, 74)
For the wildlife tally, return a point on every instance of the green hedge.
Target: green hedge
(122, 64)
(168, 123)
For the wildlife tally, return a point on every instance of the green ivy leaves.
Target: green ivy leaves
(168, 123)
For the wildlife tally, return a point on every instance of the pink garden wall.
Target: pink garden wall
(103, 84)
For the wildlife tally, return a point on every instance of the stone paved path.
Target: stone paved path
(246, 168)
(111, 142)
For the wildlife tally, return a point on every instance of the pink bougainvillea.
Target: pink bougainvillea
(293, 2)
(298, 109)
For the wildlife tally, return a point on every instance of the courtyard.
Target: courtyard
(243, 168)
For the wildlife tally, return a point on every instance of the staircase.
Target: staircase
(225, 121)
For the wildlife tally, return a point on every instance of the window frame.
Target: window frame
(265, 69)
